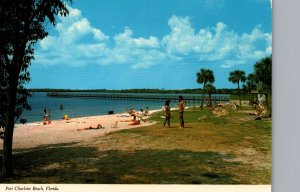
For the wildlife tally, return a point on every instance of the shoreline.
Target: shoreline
(80, 117)
(36, 134)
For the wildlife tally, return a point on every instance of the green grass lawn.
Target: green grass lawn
(224, 148)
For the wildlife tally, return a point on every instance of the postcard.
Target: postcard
(136, 95)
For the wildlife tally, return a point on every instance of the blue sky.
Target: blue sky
(113, 44)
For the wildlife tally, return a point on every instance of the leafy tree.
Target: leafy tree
(250, 83)
(263, 76)
(23, 24)
(210, 88)
(237, 76)
(203, 77)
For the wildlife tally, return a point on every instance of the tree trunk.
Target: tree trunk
(7, 163)
(239, 95)
(269, 103)
(202, 97)
(210, 102)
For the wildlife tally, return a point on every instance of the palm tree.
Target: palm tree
(250, 83)
(237, 76)
(203, 77)
(210, 88)
(263, 75)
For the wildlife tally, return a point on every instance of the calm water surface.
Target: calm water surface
(82, 107)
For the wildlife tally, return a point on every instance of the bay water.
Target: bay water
(82, 107)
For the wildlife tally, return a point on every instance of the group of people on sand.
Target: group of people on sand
(181, 107)
(46, 119)
(138, 116)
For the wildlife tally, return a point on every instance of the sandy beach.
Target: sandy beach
(71, 130)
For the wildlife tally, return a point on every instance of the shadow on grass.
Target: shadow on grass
(40, 147)
(72, 164)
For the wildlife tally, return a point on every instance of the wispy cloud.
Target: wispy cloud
(78, 43)
(231, 63)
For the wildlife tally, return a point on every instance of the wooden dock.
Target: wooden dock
(140, 97)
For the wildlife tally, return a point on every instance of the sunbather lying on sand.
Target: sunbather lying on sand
(133, 113)
(126, 120)
(138, 122)
(99, 126)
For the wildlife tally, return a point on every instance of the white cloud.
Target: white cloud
(216, 43)
(78, 43)
(74, 27)
(68, 47)
(209, 44)
(137, 52)
(150, 58)
(125, 40)
(181, 39)
(231, 63)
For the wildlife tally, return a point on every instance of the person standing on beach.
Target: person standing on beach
(45, 112)
(167, 113)
(146, 111)
(181, 109)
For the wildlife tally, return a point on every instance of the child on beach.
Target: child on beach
(46, 120)
(167, 113)
(45, 112)
(146, 111)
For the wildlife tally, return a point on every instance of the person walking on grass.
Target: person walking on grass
(181, 109)
(167, 113)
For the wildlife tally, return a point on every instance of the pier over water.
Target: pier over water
(196, 98)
